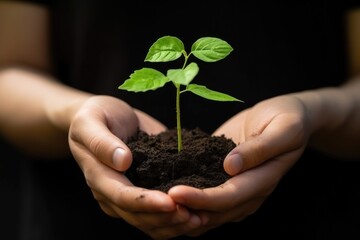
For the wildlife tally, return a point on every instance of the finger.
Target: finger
(91, 133)
(258, 182)
(158, 225)
(215, 219)
(177, 230)
(167, 231)
(115, 188)
(210, 199)
(152, 220)
(283, 134)
(108, 209)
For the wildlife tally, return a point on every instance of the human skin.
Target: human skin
(61, 117)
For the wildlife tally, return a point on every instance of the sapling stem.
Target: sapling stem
(178, 119)
(178, 114)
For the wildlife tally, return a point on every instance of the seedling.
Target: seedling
(169, 48)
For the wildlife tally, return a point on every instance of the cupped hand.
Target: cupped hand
(97, 137)
(270, 138)
(270, 129)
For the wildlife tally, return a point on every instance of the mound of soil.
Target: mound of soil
(157, 164)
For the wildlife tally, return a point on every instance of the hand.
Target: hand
(97, 137)
(271, 137)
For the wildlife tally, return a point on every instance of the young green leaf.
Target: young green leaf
(210, 49)
(204, 92)
(144, 79)
(165, 49)
(183, 76)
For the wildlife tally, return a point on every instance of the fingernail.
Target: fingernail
(235, 163)
(118, 160)
(194, 221)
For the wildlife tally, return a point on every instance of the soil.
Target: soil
(157, 164)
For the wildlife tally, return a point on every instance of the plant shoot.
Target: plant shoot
(169, 48)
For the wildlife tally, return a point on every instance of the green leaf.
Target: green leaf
(183, 76)
(210, 49)
(143, 80)
(204, 92)
(165, 49)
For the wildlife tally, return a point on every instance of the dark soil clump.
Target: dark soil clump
(157, 164)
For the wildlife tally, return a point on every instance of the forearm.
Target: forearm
(35, 112)
(334, 119)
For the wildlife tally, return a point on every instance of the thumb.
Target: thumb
(272, 142)
(243, 157)
(111, 150)
(121, 159)
(100, 143)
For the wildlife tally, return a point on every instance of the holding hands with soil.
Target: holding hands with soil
(270, 138)
(186, 210)
(271, 135)
(59, 121)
